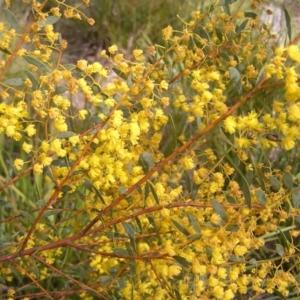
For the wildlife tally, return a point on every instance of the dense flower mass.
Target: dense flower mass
(174, 178)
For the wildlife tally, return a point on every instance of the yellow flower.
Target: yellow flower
(174, 271)
(82, 113)
(38, 168)
(113, 49)
(293, 53)
(230, 124)
(218, 292)
(288, 143)
(243, 142)
(18, 163)
(240, 250)
(27, 147)
(167, 33)
(30, 130)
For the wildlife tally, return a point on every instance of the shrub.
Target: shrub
(176, 179)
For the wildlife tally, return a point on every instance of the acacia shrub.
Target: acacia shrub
(163, 185)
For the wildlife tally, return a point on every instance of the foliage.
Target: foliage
(176, 179)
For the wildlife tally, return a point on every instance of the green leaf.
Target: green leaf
(288, 24)
(230, 199)
(195, 236)
(12, 20)
(147, 190)
(96, 120)
(65, 135)
(235, 77)
(279, 250)
(246, 192)
(241, 27)
(154, 193)
(122, 190)
(275, 183)
(5, 51)
(146, 161)
(151, 221)
(219, 34)
(66, 189)
(41, 202)
(260, 76)
(226, 9)
(34, 61)
(131, 234)
(180, 228)
(288, 180)
(104, 109)
(98, 193)
(181, 260)
(26, 215)
(5, 204)
(120, 252)
(60, 90)
(296, 197)
(224, 56)
(52, 212)
(219, 209)
(14, 82)
(261, 197)
(48, 21)
(34, 81)
(250, 14)
(204, 34)
(280, 295)
(60, 162)
(194, 222)
(120, 73)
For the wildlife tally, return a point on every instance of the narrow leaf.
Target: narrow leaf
(5, 51)
(65, 135)
(194, 222)
(34, 81)
(288, 24)
(147, 190)
(131, 234)
(261, 197)
(154, 193)
(151, 221)
(12, 20)
(180, 228)
(48, 21)
(26, 215)
(13, 82)
(246, 192)
(242, 26)
(120, 251)
(279, 250)
(219, 209)
(250, 14)
(235, 77)
(226, 9)
(181, 260)
(288, 180)
(219, 34)
(296, 197)
(146, 161)
(275, 183)
(40, 65)
(224, 56)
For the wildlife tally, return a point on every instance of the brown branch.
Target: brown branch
(31, 278)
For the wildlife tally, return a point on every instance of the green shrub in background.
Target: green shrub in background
(177, 178)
